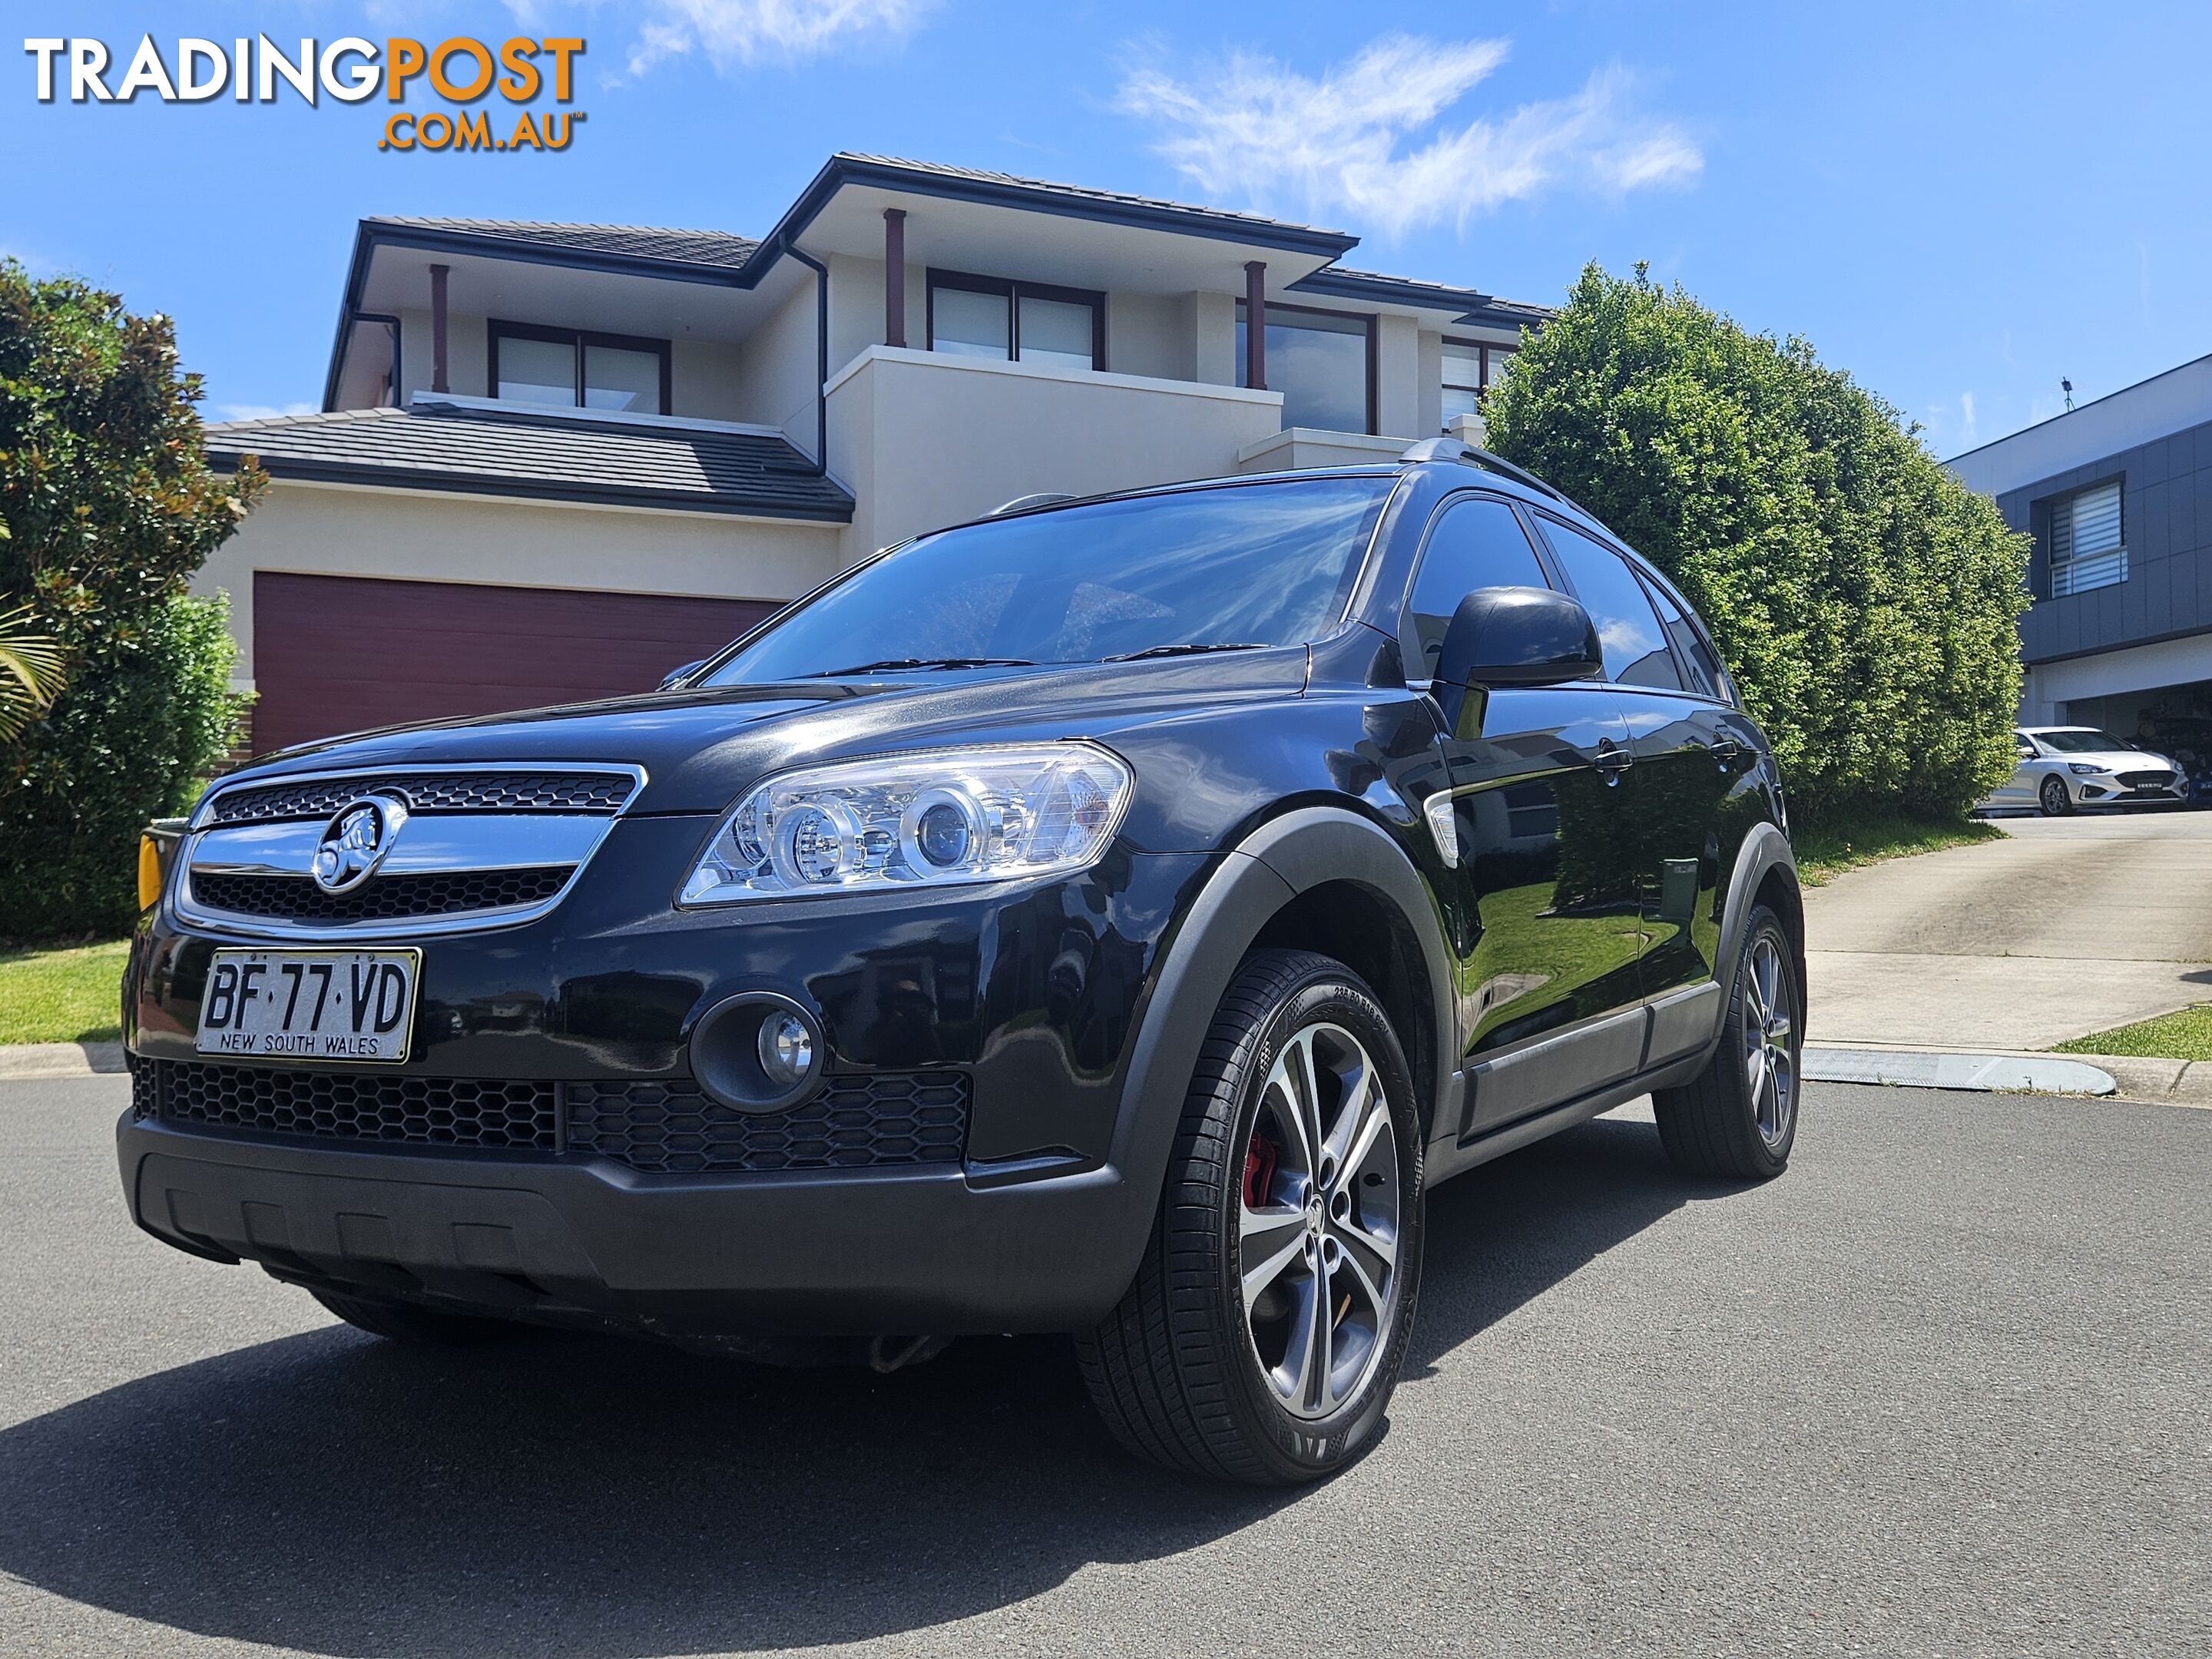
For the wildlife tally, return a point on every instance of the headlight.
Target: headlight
(933, 819)
(2084, 769)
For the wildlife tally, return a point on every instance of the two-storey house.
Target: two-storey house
(2117, 497)
(554, 461)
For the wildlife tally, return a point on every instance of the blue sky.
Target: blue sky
(1960, 203)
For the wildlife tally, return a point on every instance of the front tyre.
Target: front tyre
(2057, 803)
(1739, 1116)
(1265, 1330)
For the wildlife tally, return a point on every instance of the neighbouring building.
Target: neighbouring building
(2117, 496)
(557, 461)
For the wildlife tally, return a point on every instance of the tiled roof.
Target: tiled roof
(1084, 193)
(691, 247)
(436, 446)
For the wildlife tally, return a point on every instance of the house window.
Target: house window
(1016, 322)
(570, 368)
(1470, 369)
(1321, 361)
(2087, 548)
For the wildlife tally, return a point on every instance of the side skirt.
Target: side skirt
(1512, 1137)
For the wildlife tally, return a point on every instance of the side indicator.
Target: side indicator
(149, 873)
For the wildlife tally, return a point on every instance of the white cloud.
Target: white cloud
(1968, 431)
(1365, 138)
(262, 411)
(744, 31)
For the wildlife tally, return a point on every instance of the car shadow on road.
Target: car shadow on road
(561, 1493)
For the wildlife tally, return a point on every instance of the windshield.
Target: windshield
(1235, 565)
(2082, 742)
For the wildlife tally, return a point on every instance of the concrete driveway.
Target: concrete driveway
(2069, 926)
(1933, 1392)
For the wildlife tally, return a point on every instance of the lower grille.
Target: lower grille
(381, 898)
(856, 1122)
(351, 1106)
(2146, 779)
(669, 1126)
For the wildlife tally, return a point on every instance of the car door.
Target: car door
(2019, 789)
(1545, 907)
(1695, 756)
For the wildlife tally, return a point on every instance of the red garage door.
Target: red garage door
(341, 653)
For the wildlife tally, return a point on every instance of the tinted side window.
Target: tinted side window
(1635, 647)
(1475, 543)
(1696, 658)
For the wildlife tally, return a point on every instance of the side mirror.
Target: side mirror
(1518, 636)
(678, 676)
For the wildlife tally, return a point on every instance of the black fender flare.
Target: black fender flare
(1765, 850)
(1286, 856)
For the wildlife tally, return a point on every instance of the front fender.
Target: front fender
(1284, 857)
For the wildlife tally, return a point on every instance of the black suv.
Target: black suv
(1107, 917)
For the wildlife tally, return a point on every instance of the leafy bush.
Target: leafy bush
(106, 508)
(145, 719)
(1866, 602)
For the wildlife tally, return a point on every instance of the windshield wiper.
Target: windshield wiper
(1178, 651)
(889, 663)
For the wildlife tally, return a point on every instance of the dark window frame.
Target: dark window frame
(2044, 522)
(1367, 317)
(495, 329)
(1483, 348)
(1642, 573)
(1410, 649)
(1013, 290)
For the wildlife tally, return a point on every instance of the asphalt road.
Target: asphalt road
(1943, 1388)
(2068, 926)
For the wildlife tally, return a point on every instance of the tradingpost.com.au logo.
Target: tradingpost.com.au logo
(257, 70)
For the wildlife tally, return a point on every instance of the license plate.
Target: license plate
(310, 1004)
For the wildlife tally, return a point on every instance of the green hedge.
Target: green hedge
(1865, 601)
(142, 723)
(106, 509)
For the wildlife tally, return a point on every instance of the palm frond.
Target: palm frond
(30, 672)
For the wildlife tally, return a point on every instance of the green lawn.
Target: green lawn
(1825, 850)
(2185, 1034)
(66, 994)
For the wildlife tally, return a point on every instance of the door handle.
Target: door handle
(1613, 762)
(1725, 751)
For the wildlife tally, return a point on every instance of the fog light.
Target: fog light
(758, 1052)
(787, 1050)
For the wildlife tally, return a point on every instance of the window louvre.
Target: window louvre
(2087, 547)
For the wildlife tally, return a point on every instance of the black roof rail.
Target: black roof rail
(1451, 449)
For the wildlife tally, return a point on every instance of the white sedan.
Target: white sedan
(2064, 766)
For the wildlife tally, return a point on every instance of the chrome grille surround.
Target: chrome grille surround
(475, 789)
(258, 837)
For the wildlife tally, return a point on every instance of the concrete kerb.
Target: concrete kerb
(52, 1060)
(2116, 1077)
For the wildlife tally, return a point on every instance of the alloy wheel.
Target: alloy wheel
(2056, 801)
(1319, 1222)
(1770, 1061)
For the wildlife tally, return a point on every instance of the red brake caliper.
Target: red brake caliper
(1258, 1170)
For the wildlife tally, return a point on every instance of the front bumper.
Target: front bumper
(1032, 996)
(2109, 791)
(566, 1240)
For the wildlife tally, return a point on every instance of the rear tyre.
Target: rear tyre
(1738, 1118)
(2055, 800)
(1267, 1325)
(403, 1321)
